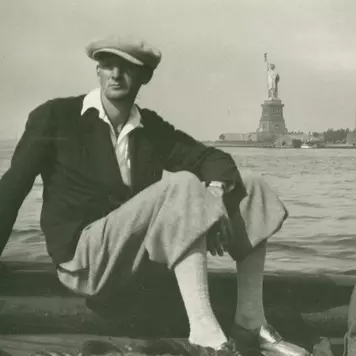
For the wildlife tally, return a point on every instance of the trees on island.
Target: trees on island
(336, 136)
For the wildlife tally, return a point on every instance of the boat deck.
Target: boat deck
(25, 345)
(36, 311)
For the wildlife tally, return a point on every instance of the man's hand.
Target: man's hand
(217, 237)
(215, 245)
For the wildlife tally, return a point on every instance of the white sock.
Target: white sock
(249, 309)
(192, 278)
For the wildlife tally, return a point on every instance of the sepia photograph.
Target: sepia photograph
(177, 177)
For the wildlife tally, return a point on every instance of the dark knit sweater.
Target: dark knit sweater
(81, 177)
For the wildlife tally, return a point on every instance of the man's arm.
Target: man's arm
(179, 151)
(26, 164)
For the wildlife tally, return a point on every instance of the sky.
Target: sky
(212, 78)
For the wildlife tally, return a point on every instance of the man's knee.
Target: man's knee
(252, 181)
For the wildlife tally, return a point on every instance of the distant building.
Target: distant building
(308, 137)
(231, 136)
(351, 138)
(267, 136)
(289, 140)
(296, 140)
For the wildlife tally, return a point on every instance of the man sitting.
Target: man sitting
(107, 209)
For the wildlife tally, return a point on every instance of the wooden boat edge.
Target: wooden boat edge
(32, 297)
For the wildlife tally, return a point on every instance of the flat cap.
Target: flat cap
(132, 49)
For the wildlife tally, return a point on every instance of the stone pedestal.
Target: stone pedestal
(272, 124)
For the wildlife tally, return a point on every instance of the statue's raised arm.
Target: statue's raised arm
(266, 61)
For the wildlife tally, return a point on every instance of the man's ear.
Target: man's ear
(97, 69)
(146, 75)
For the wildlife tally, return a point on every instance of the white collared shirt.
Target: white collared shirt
(121, 144)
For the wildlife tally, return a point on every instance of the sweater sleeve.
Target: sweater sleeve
(26, 164)
(179, 151)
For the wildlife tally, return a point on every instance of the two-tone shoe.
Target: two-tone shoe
(266, 340)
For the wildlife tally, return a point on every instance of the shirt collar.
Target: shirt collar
(93, 100)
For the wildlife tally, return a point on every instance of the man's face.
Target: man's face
(119, 79)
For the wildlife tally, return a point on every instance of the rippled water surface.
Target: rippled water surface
(318, 187)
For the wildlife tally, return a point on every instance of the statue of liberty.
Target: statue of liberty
(272, 80)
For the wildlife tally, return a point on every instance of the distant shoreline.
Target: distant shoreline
(11, 143)
(254, 144)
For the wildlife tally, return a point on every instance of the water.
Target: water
(317, 186)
